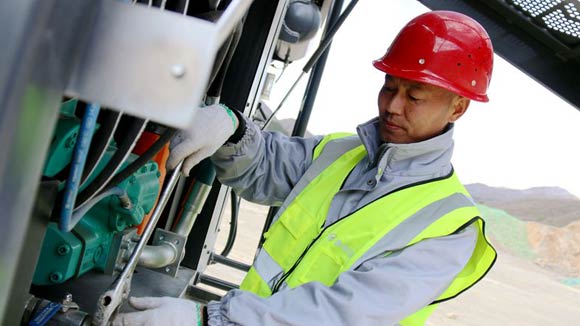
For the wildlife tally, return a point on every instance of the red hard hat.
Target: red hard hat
(445, 49)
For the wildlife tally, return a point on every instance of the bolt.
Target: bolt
(421, 61)
(167, 269)
(177, 70)
(473, 83)
(63, 249)
(161, 238)
(68, 298)
(55, 277)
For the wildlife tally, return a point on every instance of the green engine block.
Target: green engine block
(91, 244)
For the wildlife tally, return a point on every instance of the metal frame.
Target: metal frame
(38, 43)
(55, 46)
(242, 93)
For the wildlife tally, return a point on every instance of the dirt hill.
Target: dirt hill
(548, 205)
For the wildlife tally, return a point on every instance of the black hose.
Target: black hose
(215, 88)
(130, 137)
(235, 206)
(142, 160)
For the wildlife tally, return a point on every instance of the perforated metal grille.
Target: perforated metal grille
(561, 17)
(536, 7)
(557, 20)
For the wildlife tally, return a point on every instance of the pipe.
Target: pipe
(86, 131)
(166, 254)
(155, 256)
(198, 194)
(110, 300)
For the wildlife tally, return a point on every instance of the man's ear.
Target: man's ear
(459, 106)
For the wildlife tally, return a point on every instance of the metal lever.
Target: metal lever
(110, 301)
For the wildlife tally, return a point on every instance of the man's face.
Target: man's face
(410, 111)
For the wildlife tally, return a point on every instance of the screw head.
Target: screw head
(55, 277)
(421, 61)
(167, 269)
(63, 249)
(473, 83)
(177, 70)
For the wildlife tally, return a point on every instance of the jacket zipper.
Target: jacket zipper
(287, 274)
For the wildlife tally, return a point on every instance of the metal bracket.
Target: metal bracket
(178, 241)
(119, 247)
(150, 63)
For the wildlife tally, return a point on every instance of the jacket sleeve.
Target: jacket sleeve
(263, 167)
(381, 291)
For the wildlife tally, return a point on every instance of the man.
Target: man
(374, 229)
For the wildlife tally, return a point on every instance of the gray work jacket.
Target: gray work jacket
(263, 167)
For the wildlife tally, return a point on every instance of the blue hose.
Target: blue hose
(86, 132)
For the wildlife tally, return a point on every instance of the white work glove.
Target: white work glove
(161, 311)
(210, 129)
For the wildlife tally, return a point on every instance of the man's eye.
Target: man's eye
(414, 99)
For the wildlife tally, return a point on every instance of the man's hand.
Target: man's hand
(161, 311)
(211, 128)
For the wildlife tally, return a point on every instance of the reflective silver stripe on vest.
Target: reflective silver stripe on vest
(267, 268)
(403, 233)
(331, 152)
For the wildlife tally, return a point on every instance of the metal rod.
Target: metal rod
(132, 263)
(111, 299)
(217, 283)
(329, 34)
(324, 44)
(174, 209)
(235, 11)
(283, 100)
(315, 78)
(229, 262)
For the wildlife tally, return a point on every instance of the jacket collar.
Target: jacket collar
(421, 158)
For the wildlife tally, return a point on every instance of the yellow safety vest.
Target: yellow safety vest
(304, 251)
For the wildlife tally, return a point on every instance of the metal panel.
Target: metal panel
(38, 43)
(150, 63)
